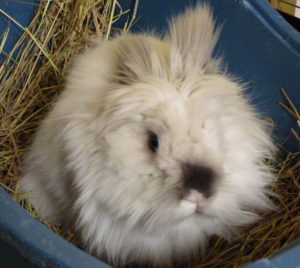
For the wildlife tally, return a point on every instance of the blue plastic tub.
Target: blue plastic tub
(258, 45)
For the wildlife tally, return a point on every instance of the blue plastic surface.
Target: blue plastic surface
(23, 13)
(288, 257)
(258, 46)
(36, 242)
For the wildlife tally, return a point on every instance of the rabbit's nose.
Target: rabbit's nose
(199, 178)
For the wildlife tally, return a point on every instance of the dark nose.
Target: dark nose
(200, 178)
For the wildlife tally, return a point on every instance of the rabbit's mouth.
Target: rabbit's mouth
(194, 202)
(198, 186)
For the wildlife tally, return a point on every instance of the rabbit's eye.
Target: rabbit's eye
(153, 142)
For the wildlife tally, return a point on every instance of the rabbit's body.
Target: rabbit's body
(150, 149)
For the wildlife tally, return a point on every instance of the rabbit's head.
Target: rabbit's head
(179, 143)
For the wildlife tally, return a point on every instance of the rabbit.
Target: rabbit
(151, 148)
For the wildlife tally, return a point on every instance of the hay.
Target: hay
(32, 75)
(32, 78)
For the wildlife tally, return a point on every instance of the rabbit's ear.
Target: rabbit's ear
(139, 57)
(193, 38)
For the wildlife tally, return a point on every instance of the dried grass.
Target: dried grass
(31, 79)
(33, 71)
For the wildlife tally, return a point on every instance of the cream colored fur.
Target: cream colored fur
(90, 166)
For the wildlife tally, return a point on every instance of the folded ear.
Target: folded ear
(193, 38)
(139, 56)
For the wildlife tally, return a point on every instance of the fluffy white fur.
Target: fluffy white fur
(90, 165)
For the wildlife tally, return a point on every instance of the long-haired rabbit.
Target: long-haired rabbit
(151, 148)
